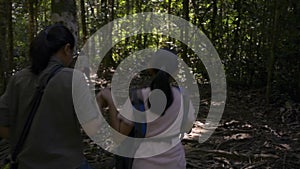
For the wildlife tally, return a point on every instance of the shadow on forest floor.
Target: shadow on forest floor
(250, 135)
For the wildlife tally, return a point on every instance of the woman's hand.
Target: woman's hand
(104, 98)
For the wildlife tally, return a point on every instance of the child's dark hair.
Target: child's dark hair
(161, 79)
(46, 44)
(161, 82)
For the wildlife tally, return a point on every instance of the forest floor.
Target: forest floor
(251, 135)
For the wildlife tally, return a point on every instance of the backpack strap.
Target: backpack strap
(36, 102)
(138, 103)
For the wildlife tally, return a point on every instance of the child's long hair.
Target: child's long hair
(162, 78)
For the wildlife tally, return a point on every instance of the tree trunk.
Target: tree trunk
(10, 36)
(83, 21)
(185, 4)
(271, 59)
(110, 9)
(45, 12)
(169, 24)
(139, 36)
(127, 13)
(297, 14)
(105, 11)
(213, 22)
(3, 43)
(127, 7)
(196, 12)
(64, 12)
(31, 25)
(237, 40)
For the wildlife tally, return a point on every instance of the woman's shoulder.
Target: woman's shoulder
(145, 90)
(23, 74)
(175, 90)
(72, 73)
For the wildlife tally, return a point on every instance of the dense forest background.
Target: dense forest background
(258, 42)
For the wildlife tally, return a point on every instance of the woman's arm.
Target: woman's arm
(104, 99)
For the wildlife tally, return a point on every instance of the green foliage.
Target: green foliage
(241, 31)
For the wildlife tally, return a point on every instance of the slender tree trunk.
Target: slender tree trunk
(92, 8)
(271, 59)
(250, 63)
(3, 44)
(99, 13)
(139, 36)
(92, 17)
(83, 21)
(185, 4)
(37, 8)
(31, 24)
(105, 11)
(45, 12)
(221, 28)
(196, 11)
(213, 21)
(127, 12)
(297, 14)
(110, 9)
(127, 7)
(169, 24)
(10, 36)
(236, 46)
(298, 83)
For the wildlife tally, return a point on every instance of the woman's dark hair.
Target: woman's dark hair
(161, 82)
(46, 44)
(161, 78)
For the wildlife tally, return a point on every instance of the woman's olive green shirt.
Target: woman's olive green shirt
(54, 140)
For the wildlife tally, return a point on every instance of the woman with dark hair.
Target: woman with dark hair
(166, 123)
(54, 139)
